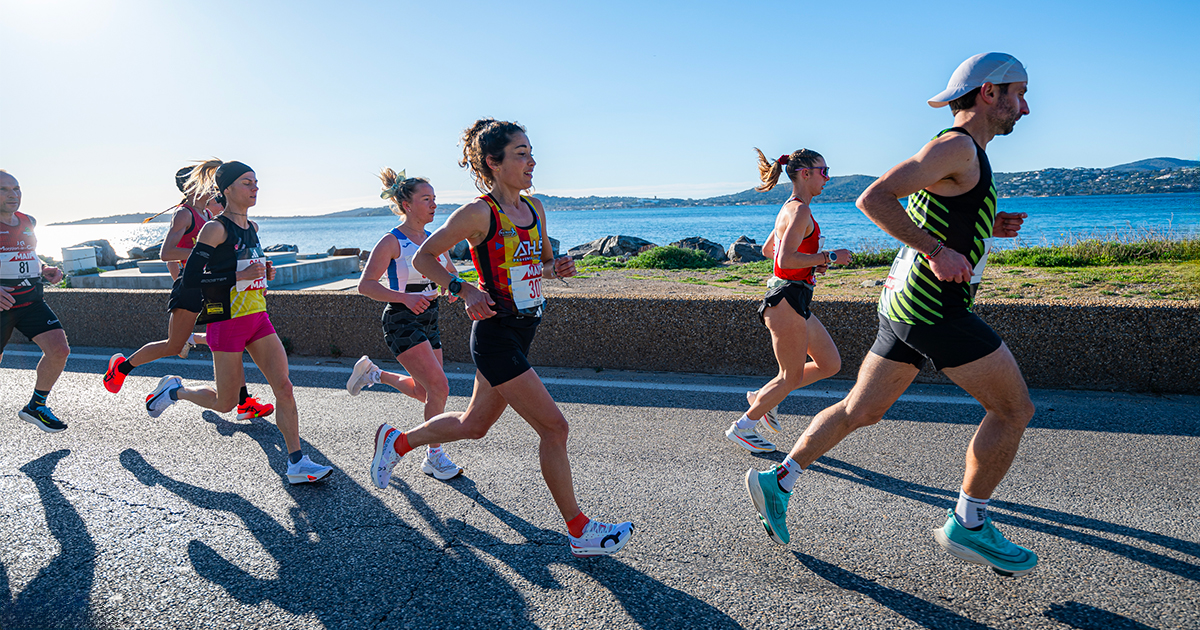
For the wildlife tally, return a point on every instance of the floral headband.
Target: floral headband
(391, 191)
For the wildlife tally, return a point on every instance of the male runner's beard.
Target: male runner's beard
(1005, 117)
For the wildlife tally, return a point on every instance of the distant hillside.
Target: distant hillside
(136, 217)
(1155, 175)
(1156, 164)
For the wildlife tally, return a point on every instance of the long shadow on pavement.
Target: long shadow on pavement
(1086, 617)
(649, 602)
(914, 608)
(352, 562)
(59, 596)
(1060, 525)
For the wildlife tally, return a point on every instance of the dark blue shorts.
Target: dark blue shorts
(948, 343)
(32, 320)
(500, 347)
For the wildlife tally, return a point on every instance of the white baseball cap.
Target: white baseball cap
(983, 68)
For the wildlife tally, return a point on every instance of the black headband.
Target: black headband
(228, 173)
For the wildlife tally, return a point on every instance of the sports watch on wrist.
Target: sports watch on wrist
(455, 286)
(832, 257)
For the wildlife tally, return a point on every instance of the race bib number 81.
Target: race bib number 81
(19, 265)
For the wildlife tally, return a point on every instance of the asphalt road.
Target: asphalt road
(187, 521)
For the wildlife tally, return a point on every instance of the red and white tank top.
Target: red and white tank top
(810, 245)
(19, 264)
(509, 262)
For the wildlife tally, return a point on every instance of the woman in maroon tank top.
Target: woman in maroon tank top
(803, 348)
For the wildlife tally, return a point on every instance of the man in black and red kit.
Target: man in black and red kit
(21, 306)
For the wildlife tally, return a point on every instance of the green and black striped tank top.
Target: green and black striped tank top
(912, 294)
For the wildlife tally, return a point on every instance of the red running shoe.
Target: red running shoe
(113, 378)
(254, 409)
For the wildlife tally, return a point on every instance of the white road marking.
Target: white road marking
(576, 382)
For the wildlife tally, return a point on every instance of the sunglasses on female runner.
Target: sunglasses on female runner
(824, 170)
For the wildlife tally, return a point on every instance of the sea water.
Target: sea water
(1051, 220)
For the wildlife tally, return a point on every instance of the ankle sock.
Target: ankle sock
(970, 512)
(575, 526)
(745, 422)
(125, 367)
(295, 456)
(401, 445)
(39, 398)
(787, 474)
(243, 395)
(434, 450)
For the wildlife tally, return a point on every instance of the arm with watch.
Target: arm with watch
(794, 233)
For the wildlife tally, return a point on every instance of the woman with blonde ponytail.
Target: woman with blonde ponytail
(795, 245)
(196, 183)
(410, 319)
(229, 266)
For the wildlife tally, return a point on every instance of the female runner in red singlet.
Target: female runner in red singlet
(509, 244)
(796, 334)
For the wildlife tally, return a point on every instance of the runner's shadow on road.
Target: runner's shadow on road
(344, 558)
(59, 597)
(1053, 522)
(913, 608)
(649, 602)
(1086, 617)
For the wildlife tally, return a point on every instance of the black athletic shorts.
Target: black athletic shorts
(32, 320)
(500, 346)
(403, 329)
(185, 298)
(948, 344)
(798, 294)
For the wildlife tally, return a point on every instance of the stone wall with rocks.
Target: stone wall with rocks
(1092, 346)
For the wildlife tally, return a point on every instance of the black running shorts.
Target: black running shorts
(32, 320)
(500, 346)
(948, 344)
(403, 329)
(798, 294)
(187, 299)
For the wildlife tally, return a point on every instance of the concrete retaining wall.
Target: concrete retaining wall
(1065, 346)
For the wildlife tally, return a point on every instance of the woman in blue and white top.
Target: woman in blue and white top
(410, 320)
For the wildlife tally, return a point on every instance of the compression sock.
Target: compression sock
(745, 422)
(38, 399)
(294, 456)
(787, 474)
(125, 367)
(401, 445)
(243, 395)
(970, 512)
(575, 526)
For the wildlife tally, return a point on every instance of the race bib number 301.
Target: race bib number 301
(526, 284)
(19, 265)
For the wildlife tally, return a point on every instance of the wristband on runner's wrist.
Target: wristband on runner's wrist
(935, 251)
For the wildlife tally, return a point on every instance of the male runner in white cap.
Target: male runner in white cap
(925, 312)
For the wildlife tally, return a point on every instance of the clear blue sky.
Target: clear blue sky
(102, 100)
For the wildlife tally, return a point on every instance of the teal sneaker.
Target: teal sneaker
(985, 546)
(770, 501)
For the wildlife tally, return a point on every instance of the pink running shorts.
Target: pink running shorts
(233, 335)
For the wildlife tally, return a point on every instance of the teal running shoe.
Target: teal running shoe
(770, 501)
(985, 546)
